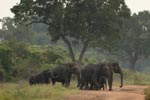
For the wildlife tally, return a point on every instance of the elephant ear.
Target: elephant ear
(116, 67)
(69, 65)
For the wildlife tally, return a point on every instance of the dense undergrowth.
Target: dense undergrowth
(22, 91)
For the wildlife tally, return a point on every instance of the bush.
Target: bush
(2, 74)
(19, 60)
(137, 78)
(22, 91)
(147, 93)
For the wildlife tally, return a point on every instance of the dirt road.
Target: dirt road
(128, 92)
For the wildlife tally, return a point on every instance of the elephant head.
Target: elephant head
(117, 69)
(74, 68)
(46, 75)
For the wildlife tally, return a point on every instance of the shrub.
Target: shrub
(147, 93)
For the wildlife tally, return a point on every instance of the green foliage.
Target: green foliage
(12, 31)
(6, 62)
(2, 74)
(134, 43)
(22, 91)
(75, 20)
(137, 78)
(19, 60)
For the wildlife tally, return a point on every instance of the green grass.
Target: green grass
(131, 78)
(22, 91)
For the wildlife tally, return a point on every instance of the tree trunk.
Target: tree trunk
(132, 64)
(67, 42)
(85, 46)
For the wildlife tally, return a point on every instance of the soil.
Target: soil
(128, 92)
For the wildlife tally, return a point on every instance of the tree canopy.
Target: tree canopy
(134, 43)
(81, 20)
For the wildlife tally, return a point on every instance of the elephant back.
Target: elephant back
(104, 69)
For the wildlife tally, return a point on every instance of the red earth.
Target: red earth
(128, 92)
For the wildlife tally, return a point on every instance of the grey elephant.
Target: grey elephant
(62, 73)
(41, 78)
(113, 68)
(91, 74)
(103, 82)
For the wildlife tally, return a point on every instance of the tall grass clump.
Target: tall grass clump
(12, 91)
(136, 78)
(147, 93)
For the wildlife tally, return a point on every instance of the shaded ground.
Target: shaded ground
(128, 92)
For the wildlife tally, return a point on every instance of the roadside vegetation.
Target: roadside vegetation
(147, 93)
(85, 31)
(22, 91)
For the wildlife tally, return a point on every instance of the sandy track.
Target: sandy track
(128, 92)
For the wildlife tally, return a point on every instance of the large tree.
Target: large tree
(10, 31)
(74, 20)
(134, 44)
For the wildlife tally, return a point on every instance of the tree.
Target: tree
(134, 43)
(10, 31)
(74, 20)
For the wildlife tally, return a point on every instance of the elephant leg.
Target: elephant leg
(103, 86)
(63, 83)
(82, 84)
(91, 86)
(95, 82)
(86, 86)
(66, 81)
(78, 78)
(69, 78)
(110, 81)
(53, 82)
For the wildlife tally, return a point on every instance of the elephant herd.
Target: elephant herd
(89, 77)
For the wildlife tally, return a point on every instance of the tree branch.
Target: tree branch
(85, 46)
(69, 47)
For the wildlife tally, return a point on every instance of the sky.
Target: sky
(134, 5)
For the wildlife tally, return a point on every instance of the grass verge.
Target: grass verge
(22, 91)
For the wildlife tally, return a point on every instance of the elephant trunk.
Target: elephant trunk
(78, 78)
(121, 75)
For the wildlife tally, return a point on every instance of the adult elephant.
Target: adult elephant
(47, 74)
(115, 68)
(92, 73)
(76, 69)
(41, 78)
(62, 73)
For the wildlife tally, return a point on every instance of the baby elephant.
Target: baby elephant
(41, 78)
(103, 83)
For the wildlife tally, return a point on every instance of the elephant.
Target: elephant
(76, 69)
(62, 73)
(102, 82)
(115, 68)
(91, 74)
(41, 78)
